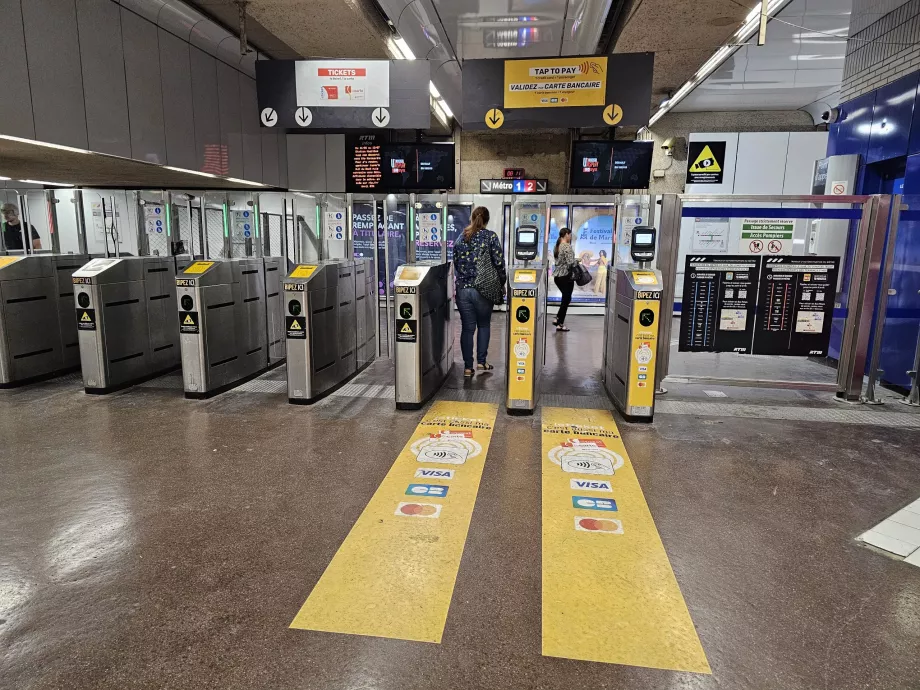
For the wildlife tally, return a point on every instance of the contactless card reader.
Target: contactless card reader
(633, 314)
(525, 243)
(642, 244)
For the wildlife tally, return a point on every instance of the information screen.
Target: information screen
(611, 164)
(379, 167)
(643, 239)
(527, 237)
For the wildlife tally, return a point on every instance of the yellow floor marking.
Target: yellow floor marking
(394, 574)
(609, 593)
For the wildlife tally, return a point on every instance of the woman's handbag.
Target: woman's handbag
(487, 281)
(581, 275)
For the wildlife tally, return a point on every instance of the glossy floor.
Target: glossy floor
(151, 541)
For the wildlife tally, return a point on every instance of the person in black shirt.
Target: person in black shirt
(11, 235)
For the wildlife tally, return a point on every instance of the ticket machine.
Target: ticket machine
(631, 329)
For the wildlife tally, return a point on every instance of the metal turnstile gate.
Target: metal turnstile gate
(126, 316)
(423, 332)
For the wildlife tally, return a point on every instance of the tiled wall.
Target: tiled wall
(884, 45)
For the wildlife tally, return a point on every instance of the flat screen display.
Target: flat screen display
(611, 164)
(642, 239)
(384, 167)
(527, 237)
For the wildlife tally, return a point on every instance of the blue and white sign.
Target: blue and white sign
(335, 225)
(591, 503)
(153, 218)
(431, 490)
(590, 485)
(434, 473)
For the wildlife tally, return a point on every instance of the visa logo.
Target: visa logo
(643, 368)
(589, 485)
(586, 502)
(433, 490)
(423, 473)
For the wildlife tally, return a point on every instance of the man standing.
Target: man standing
(11, 235)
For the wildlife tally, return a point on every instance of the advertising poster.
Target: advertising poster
(343, 83)
(458, 217)
(363, 243)
(555, 82)
(592, 241)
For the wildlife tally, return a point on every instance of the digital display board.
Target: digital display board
(372, 166)
(611, 164)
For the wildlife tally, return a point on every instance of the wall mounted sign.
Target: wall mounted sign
(503, 186)
(708, 162)
(344, 94)
(576, 91)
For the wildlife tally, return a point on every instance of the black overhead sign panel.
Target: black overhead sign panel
(344, 94)
(574, 91)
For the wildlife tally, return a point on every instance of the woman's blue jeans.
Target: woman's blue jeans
(475, 312)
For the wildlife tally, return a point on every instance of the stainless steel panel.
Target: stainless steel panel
(274, 313)
(15, 111)
(306, 154)
(206, 110)
(53, 51)
(252, 136)
(270, 158)
(231, 127)
(64, 268)
(175, 68)
(283, 160)
(145, 96)
(30, 341)
(106, 95)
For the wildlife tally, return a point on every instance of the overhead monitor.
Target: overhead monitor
(384, 167)
(611, 164)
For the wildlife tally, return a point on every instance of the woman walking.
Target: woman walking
(562, 274)
(479, 271)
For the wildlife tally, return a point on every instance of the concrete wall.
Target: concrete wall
(542, 154)
(682, 124)
(886, 45)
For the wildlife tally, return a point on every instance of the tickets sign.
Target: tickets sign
(555, 82)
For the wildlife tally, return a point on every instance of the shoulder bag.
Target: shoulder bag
(581, 275)
(487, 281)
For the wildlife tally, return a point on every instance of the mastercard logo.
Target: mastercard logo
(421, 510)
(586, 524)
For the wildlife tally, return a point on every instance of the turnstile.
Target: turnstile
(329, 313)
(223, 324)
(126, 319)
(526, 337)
(424, 348)
(38, 336)
(631, 340)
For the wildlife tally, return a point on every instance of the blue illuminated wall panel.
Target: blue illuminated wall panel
(891, 119)
(851, 133)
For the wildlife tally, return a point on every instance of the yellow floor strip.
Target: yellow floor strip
(394, 574)
(609, 593)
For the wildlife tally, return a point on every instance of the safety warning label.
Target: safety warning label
(406, 330)
(296, 327)
(86, 319)
(188, 323)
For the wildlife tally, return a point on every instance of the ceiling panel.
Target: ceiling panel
(795, 68)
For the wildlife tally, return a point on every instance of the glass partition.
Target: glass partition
(305, 228)
(242, 225)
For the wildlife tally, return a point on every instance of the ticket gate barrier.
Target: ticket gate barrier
(330, 308)
(126, 320)
(526, 337)
(224, 323)
(631, 323)
(38, 335)
(424, 348)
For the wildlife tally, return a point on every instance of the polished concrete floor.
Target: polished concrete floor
(148, 541)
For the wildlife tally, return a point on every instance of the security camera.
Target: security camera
(671, 145)
(830, 116)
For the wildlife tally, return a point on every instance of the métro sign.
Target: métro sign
(513, 186)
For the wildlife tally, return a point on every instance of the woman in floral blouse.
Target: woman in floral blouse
(475, 310)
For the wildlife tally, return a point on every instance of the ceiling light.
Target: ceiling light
(50, 184)
(433, 90)
(404, 48)
(43, 143)
(4, 178)
(439, 113)
(190, 172)
(239, 181)
(446, 108)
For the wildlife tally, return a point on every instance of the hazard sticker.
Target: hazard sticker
(708, 162)
(406, 330)
(188, 322)
(86, 319)
(296, 327)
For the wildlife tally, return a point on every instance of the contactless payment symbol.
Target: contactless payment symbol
(644, 354)
(447, 448)
(586, 458)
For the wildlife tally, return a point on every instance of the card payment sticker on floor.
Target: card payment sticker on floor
(394, 574)
(624, 606)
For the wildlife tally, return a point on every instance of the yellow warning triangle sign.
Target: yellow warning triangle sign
(295, 325)
(406, 328)
(706, 162)
(189, 321)
(85, 317)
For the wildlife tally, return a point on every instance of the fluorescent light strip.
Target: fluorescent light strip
(239, 181)
(446, 108)
(190, 172)
(433, 90)
(43, 143)
(404, 48)
(748, 29)
(2, 178)
(50, 184)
